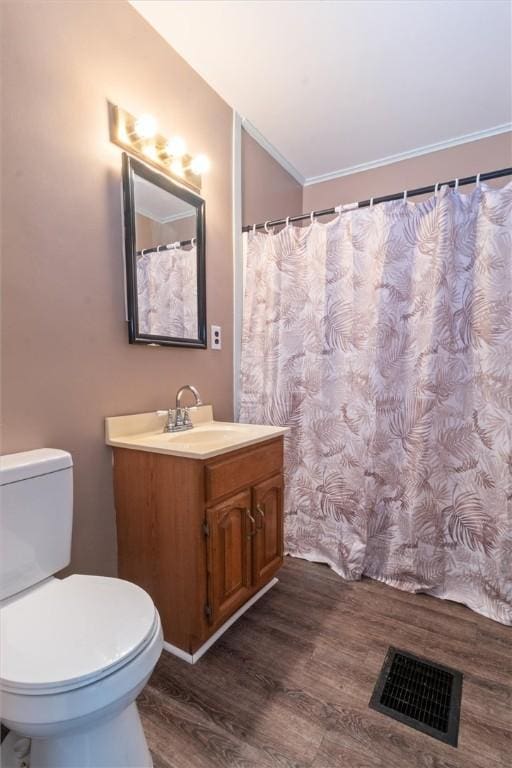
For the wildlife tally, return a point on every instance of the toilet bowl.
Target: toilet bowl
(74, 652)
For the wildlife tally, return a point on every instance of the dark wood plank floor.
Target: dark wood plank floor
(288, 685)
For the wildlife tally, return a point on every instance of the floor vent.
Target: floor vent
(421, 694)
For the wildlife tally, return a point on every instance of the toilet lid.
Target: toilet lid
(72, 630)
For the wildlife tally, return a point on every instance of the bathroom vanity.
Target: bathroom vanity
(199, 519)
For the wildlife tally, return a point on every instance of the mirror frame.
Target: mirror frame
(131, 167)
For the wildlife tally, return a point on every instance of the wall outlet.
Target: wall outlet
(216, 337)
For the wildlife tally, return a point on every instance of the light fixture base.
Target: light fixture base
(150, 150)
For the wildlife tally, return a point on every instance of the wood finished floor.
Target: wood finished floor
(289, 683)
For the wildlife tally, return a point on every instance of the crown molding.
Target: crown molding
(382, 161)
(178, 217)
(425, 150)
(163, 219)
(272, 151)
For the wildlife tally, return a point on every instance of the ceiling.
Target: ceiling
(336, 86)
(158, 204)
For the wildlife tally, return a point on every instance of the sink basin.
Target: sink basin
(208, 436)
(144, 432)
(212, 430)
(205, 435)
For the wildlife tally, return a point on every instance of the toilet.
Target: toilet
(74, 652)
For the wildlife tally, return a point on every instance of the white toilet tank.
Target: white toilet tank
(36, 517)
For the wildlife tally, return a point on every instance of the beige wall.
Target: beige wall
(268, 191)
(463, 160)
(66, 362)
(150, 233)
(66, 359)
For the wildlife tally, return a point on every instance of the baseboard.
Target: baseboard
(191, 658)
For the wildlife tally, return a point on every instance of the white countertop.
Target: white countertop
(208, 438)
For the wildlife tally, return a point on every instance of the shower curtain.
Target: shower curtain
(383, 339)
(167, 293)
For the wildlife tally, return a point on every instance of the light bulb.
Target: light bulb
(145, 126)
(176, 147)
(177, 167)
(199, 165)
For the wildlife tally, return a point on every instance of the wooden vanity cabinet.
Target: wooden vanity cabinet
(229, 556)
(267, 502)
(202, 537)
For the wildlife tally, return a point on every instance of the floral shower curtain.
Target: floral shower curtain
(167, 293)
(384, 340)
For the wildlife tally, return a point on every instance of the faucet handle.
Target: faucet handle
(170, 420)
(186, 416)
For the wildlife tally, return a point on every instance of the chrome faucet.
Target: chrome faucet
(178, 419)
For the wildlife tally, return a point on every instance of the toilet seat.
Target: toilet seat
(68, 633)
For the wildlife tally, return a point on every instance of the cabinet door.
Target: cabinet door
(231, 527)
(268, 541)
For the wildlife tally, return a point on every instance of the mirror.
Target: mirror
(164, 234)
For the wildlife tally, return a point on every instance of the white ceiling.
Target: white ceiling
(158, 204)
(340, 85)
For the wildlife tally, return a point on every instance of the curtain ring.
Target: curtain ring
(405, 196)
(456, 184)
(371, 202)
(287, 221)
(193, 242)
(478, 179)
(436, 189)
(312, 216)
(142, 250)
(266, 226)
(254, 229)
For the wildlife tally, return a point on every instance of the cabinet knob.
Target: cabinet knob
(253, 523)
(261, 512)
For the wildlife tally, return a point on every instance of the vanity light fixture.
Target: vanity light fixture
(200, 164)
(145, 127)
(177, 167)
(139, 136)
(151, 152)
(176, 147)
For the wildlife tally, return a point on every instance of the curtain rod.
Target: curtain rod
(167, 246)
(384, 199)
